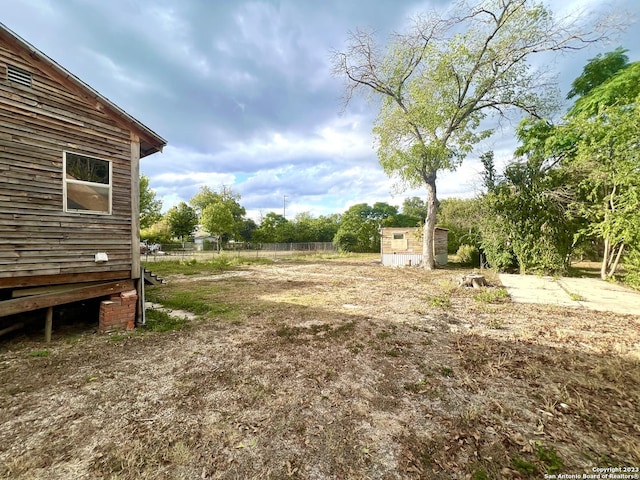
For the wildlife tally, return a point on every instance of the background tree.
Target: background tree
(595, 153)
(219, 205)
(274, 228)
(304, 228)
(526, 223)
(598, 70)
(159, 232)
(246, 229)
(606, 160)
(462, 217)
(440, 80)
(416, 208)
(182, 220)
(217, 219)
(359, 229)
(326, 227)
(150, 206)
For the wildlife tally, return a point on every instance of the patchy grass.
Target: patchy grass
(524, 467)
(326, 368)
(310, 257)
(161, 321)
(314, 331)
(496, 323)
(117, 337)
(197, 298)
(492, 295)
(215, 265)
(549, 457)
(440, 301)
(39, 353)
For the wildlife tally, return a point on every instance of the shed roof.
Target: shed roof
(150, 142)
(412, 228)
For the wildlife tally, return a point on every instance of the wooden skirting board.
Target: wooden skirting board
(62, 295)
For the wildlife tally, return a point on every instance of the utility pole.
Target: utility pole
(284, 206)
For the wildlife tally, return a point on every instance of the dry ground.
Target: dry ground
(327, 369)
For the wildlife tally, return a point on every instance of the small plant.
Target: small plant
(39, 353)
(383, 335)
(576, 298)
(446, 371)
(492, 295)
(439, 301)
(549, 456)
(116, 337)
(523, 466)
(285, 331)
(495, 323)
(417, 387)
(480, 474)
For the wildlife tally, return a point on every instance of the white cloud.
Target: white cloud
(243, 92)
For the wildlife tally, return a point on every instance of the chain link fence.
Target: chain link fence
(206, 250)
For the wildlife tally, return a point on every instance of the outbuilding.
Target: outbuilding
(402, 246)
(69, 191)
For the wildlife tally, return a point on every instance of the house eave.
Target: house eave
(150, 142)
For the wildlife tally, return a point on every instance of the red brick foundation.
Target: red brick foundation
(119, 312)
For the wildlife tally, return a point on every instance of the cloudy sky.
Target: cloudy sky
(242, 91)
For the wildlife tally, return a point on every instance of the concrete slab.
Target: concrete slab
(604, 296)
(591, 293)
(534, 289)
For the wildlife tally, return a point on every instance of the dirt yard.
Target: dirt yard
(327, 369)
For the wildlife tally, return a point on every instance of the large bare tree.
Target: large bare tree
(439, 81)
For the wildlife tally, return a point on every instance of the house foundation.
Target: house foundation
(119, 312)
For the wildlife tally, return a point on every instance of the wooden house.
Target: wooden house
(402, 246)
(69, 190)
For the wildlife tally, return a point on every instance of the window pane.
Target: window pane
(87, 197)
(87, 169)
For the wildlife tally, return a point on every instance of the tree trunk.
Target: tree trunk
(611, 259)
(428, 236)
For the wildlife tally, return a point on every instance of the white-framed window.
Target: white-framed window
(87, 184)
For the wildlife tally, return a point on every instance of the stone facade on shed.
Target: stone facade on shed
(402, 246)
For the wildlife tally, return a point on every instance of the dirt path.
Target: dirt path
(327, 370)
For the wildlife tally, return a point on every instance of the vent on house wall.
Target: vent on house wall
(15, 74)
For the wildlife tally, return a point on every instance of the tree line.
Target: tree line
(221, 215)
(571, 191)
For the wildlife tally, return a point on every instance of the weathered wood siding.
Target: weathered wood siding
(37, 238)
(410, 248)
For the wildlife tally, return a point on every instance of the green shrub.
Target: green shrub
(346, 242)
(632, 268)
(468, 255)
